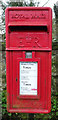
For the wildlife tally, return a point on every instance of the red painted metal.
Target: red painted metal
(28, 29)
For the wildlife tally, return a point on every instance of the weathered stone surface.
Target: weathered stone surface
(56, 44)
(56, 14)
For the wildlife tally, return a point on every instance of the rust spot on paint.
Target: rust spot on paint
(17, 97)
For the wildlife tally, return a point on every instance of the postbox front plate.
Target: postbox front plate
(28, 59)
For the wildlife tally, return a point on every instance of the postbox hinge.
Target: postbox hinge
(16, 79)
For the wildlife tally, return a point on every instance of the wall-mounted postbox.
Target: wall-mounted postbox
(28, 59)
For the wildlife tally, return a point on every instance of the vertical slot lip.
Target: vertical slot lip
(28, 24)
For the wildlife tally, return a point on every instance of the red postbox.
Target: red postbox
(28, 59)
